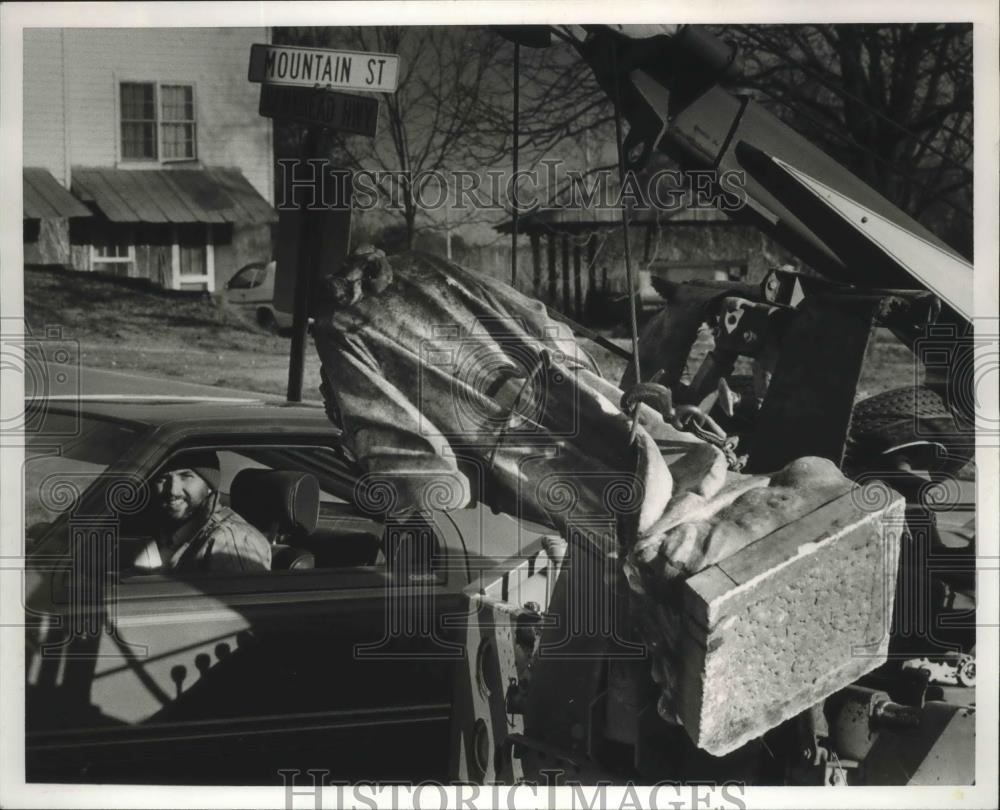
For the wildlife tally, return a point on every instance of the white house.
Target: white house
(156, 132)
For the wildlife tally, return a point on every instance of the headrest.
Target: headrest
(265, 496)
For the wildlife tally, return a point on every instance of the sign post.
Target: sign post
(307, 261)
(297, 85)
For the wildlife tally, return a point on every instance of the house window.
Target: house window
(177, 121)
(158, 121)
(193, 258)
(116, 259)
(138, 121)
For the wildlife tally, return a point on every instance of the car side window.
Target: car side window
(265, 485)
(247, 278)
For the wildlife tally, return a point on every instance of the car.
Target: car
(355, 654)
(252, 289)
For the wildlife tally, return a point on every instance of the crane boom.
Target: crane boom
(667, 81)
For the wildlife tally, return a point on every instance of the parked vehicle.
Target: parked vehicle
(252, 289)
(357, 662)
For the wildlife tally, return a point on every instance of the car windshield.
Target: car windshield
(65, 454)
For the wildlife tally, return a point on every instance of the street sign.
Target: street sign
(309, 67)
(340, 111)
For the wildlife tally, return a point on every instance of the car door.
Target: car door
(232, 678)
(264, 282)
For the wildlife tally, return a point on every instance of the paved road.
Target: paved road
(94, 382)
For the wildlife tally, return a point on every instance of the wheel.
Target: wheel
(908, 416)
(266, 319)
(967, 671)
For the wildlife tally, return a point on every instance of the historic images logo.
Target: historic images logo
(318, 184)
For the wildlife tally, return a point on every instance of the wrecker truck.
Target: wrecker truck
(548, 693)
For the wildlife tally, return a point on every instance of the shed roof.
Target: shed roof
(554, 220)
(44, 198)
(210, 195)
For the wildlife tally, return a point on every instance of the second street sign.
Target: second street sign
(340, 111)
(308, 67)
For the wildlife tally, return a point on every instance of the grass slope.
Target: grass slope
(122, 326)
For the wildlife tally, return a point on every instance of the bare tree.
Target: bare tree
(561, 104)
(425, 125)
(891, 102)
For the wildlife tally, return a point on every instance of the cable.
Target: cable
(633, 316)
(517, 123)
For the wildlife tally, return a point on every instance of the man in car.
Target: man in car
(197, 533)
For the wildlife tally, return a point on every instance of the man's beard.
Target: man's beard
(180, 510)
